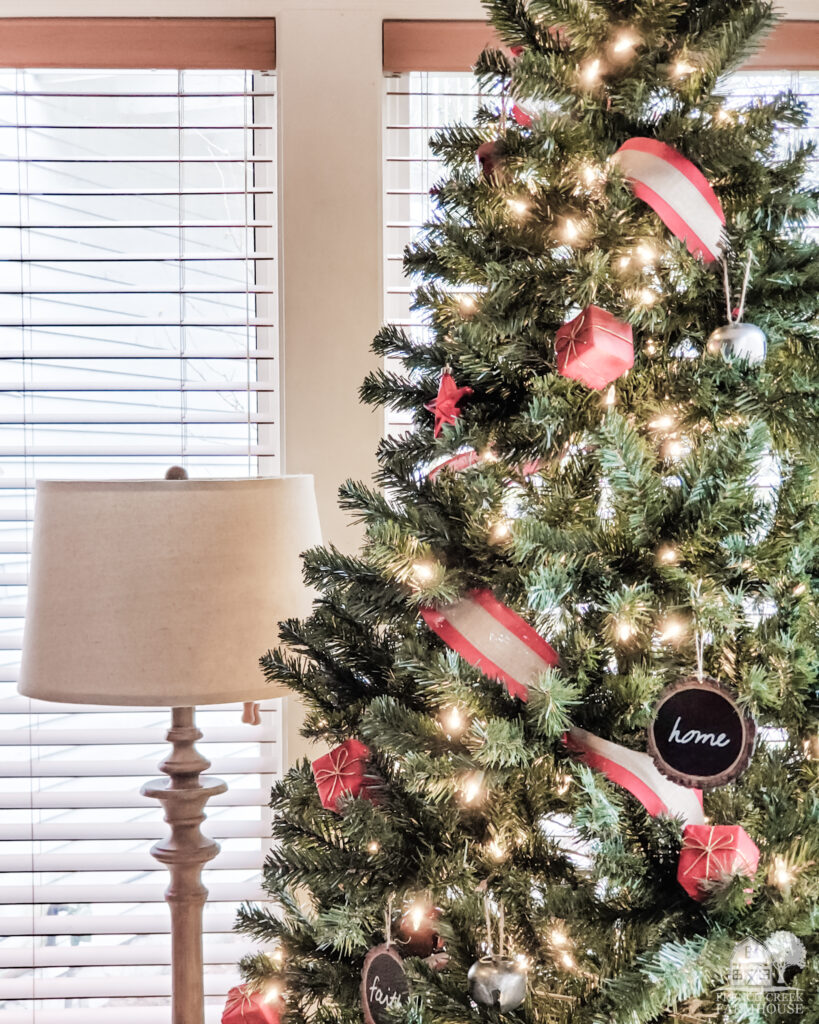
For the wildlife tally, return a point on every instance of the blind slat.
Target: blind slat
(156, 954)
(65, 767)
(97, 831)
(216, 921)
(127, 984)
(136, 892)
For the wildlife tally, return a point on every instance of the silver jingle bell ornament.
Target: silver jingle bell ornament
(497, 981)
(738, 342)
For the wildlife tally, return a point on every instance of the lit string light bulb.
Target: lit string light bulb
(500, 531)
(647, 296)
(645, 253)
(273, 993)
(799, 589)
(563, 784)
(452, 720)
(624, 262)
(496, 851)
(624, 42)
(415, 915)
(518, 207)
(557, 937)
(589, 174)
(423, 572)
(625, 631)
(667, 555)
(664, 422)
(781, 875)
(471, 790)
(467, 303)
(683, 68)
(611, 397)
(590, 73)
(672, 630)
(567, 960)
(571, 231)
(650, 348)
(373, 846)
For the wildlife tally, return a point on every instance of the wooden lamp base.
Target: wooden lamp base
(185, 851)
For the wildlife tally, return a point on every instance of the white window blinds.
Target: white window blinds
(137, 330)
(416, 104)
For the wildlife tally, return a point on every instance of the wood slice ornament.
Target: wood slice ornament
(384, 984)
(699, 736)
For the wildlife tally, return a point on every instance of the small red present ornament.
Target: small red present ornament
(714, 853)
(594, 348)
(244, 1007)
(343, 772)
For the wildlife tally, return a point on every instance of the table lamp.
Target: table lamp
(166, 593)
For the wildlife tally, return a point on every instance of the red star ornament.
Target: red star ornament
(445, 406)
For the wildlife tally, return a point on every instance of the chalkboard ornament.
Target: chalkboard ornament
(384, 984)
(699, 736)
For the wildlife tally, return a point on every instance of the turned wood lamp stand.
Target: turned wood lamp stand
(185, 852)
(164, 593)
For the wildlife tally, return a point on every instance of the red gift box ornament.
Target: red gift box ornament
(595, 348)
(243, 1007)
(714, 853)
(343, 772)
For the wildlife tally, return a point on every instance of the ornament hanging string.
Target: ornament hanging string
(727, 285)
(388, 922)
(699, 647)
(699, 635)
(487, 909)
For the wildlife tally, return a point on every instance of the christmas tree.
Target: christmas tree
(586, 603)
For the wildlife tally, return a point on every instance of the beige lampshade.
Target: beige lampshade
(163, 592)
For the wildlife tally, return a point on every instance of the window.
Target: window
(419, 102)
(138, 316)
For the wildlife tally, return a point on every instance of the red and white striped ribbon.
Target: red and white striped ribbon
(494, 639)
(677, 191)
(637, 773)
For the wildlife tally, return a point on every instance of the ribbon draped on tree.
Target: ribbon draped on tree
(677, 191)
(637, 773)
(494, 639)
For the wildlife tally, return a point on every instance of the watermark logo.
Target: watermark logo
(763, 973)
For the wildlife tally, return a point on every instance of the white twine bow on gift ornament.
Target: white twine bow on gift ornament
(238, 999)
(710, 847)
(569, 341)
(337, 773)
